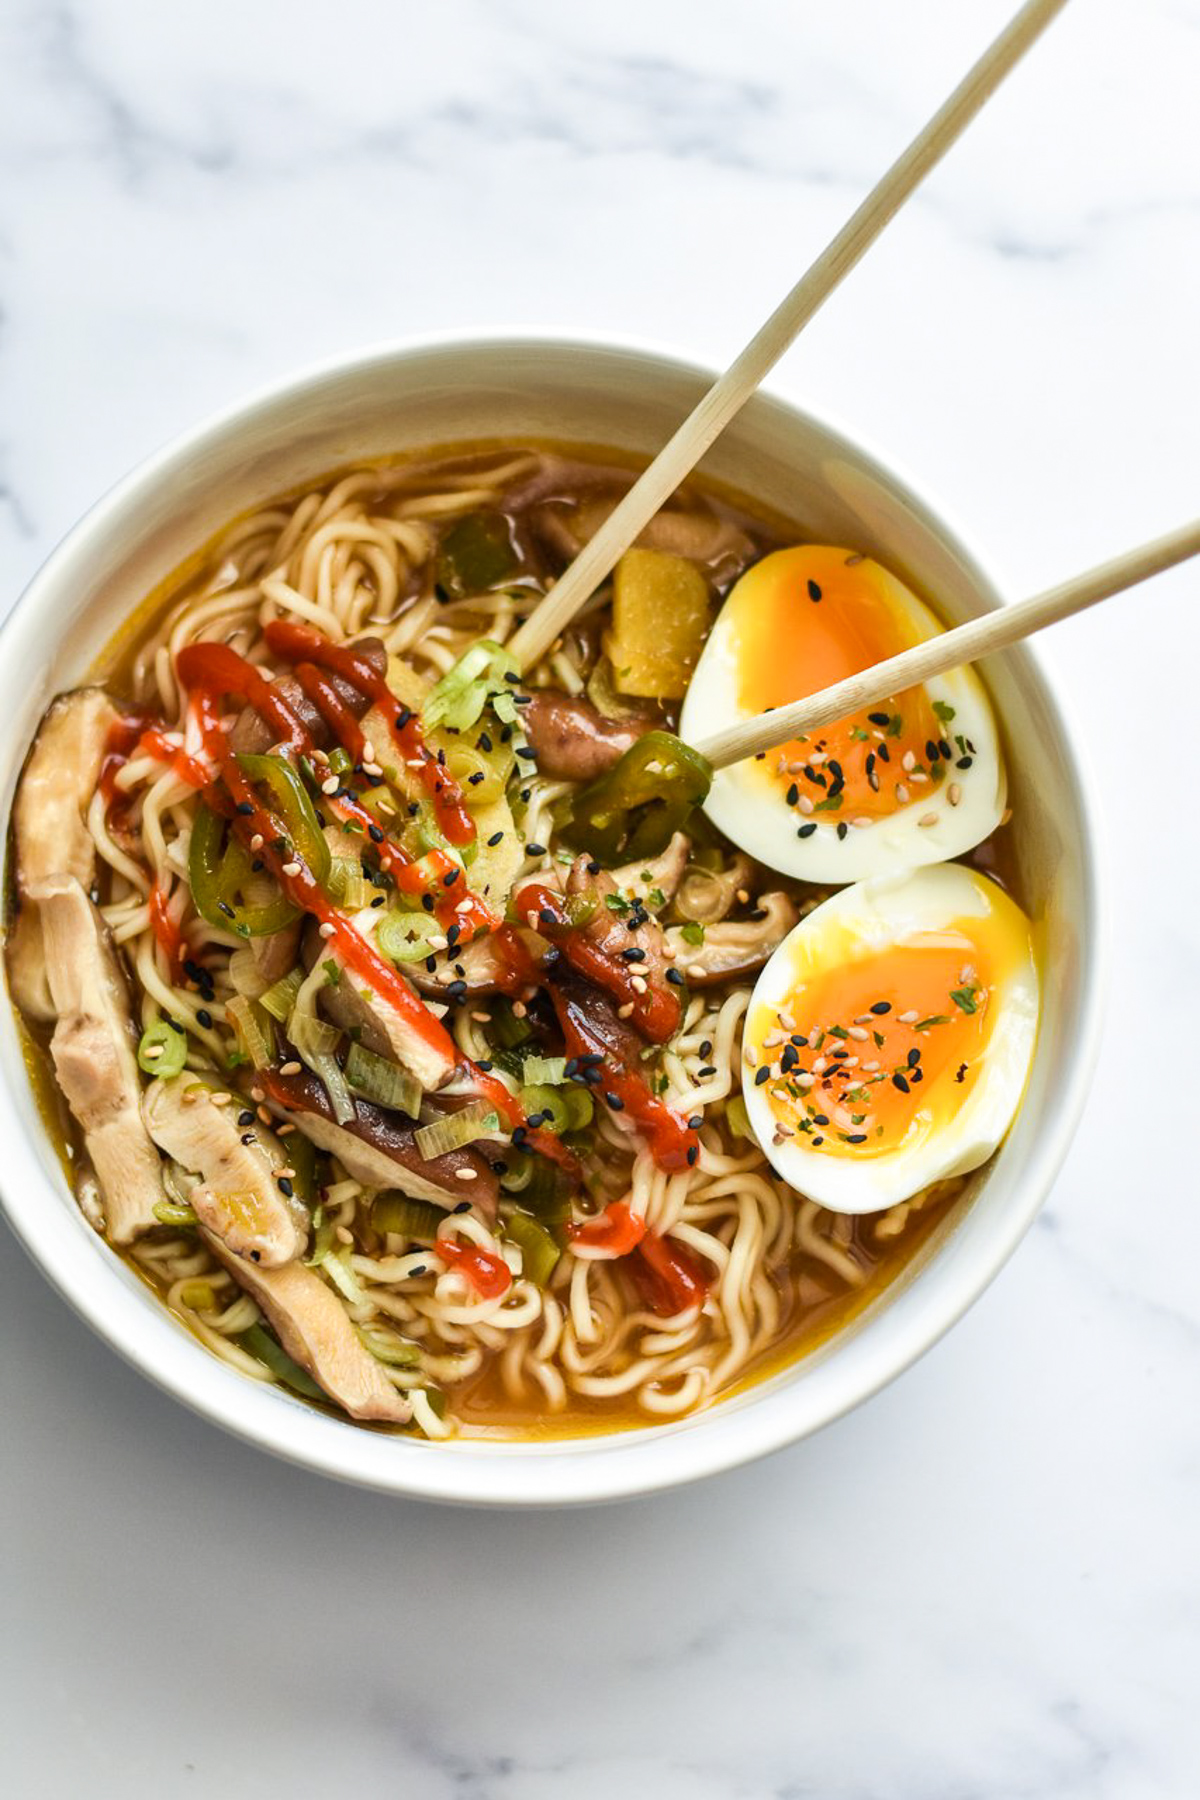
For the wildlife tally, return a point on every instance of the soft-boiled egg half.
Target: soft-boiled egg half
(916, 779)
(889, 1038)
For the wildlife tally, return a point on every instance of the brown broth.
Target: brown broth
(816, 1304)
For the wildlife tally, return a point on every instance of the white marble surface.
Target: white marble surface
(986, 1583)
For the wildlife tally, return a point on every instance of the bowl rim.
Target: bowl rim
(607, 1466)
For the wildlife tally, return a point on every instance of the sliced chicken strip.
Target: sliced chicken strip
(49, 829)
(355, 1007)
(312, 1326)
(56, 789)
(93, 1053)
(238, 1197)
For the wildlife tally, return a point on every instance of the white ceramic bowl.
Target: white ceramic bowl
(386, 400)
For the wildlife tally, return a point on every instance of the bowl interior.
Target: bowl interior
(393, 400)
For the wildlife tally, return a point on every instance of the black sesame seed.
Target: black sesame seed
(898, 1081)
(914, 1057)
(244, 807)
(495, 838)
(527, 751)
(675, 978)
(695, 1122)
(964, 762)
(449, 879)
(857, 1137)
(806, 831)
(878, 718)
(814, 592)
(944, 749)
(633, 955)
(248, 1137)
(403, 717)
(931, 751)
(761, 1075)
(246, 1118)
(204, 1017)
(693, 1155)
(820, 1119)
(881, 1006)
(842, 829)
(535, 849)
(792, 795)
(375, 834)
(285, 1186)
(615, 1101)
(427, 902)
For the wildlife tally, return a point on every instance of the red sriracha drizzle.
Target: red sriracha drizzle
(667, 1275)
(167, 932)
(488, 1273)
(672, 1142)
(618, 1229)
(656, 1012)
(209, 671)
(301, 644)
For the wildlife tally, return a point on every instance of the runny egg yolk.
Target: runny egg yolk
(809, 617)
(876, 1051)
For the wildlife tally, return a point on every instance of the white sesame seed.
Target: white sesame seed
(330, 785)
(804, 803)
(482, 1018)
(438, 943)
(623, 1012)
(519, 1009)
(291, 868)
(152, 1052)
(919, 775)
(372, 768)
(290, 1068)
(752, 1056)
(954, 793)
(368, 751)
(857, 1032)
(464, 906)
(902, 793)
(860, 823)
(908, 1018)
(256, 842)
(908, 762)
(284, 1174)
(697, 971)
(344, 1235)
(820, 1066)
(638, 984)
(466, 1174)
(870, 1067)
(326, 929)
(929, 818)
(804, 1079)
(221, 1098)
(787, 1021)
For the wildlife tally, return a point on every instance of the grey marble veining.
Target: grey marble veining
(985, 1585)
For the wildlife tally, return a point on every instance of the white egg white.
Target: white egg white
(868, 919)
(752, 810)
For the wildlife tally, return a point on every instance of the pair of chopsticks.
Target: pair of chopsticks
(730, 392)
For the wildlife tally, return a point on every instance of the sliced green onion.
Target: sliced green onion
(408, 1218)
(162, 1050)
(348, 886)
(463, 691)
(538, 1184)
(737, 1118)
(198, 1295)
(302, 1156)
(172, 1212)
(327, 1071)
(510, 1030)
(456, 1130)
(261, 1345)
(280, 997)
(340, 761)
(537, 1098)
(336, 1265)
(310, 1035)
(386, 1347)
(539, 1252)
(482, 779)
(549, 1069)
(255, 1033)
(377, 1079)
(580, 1106)
(404, 937)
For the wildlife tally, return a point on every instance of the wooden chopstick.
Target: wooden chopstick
(730, 392)
(951, 650)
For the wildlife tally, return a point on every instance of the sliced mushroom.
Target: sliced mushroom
(735, 947)
(706, 895)
(573, 741)
(251, 734)
(93, 1053)
(660, 875)
(311, 1324)
(701, 537)
(238, 1197)
(379, 1148)
(618, 936)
